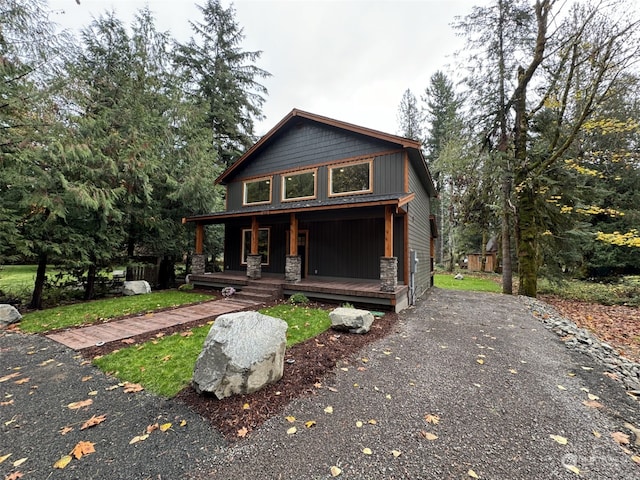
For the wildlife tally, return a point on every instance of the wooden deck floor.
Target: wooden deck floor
(91, 335)
(365, 292)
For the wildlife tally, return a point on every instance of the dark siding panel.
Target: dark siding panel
(420, 233)
(233, 244)
(309, 144)
(346, 248)
(398, 245)
(388, 174)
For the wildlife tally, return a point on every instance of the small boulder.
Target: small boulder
(136, 287)
(459, 276)
(9, 315)
(243, 352)
(351, 320)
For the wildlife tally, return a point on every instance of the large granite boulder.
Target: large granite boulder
(8, 315)
(351, 320)
(243, 352)
(136, 287)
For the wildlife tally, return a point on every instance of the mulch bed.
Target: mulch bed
(307, 368)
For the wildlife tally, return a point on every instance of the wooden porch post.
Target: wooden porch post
(388, 231)
(293, 235)
(199, 238)
(254, 235)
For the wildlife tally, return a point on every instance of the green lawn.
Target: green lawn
(16, 279)
(98, 310)
(165, 366)
(483, 283)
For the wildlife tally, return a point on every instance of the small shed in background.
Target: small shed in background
(491, 258)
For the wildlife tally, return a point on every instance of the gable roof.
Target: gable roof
(411, 146)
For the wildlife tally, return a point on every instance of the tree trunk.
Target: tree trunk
(89, 289)
(38, 288)
(507, 271)
(527, 243)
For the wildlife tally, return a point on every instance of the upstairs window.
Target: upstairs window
(351, 178)
(257, 191)
(299, 185)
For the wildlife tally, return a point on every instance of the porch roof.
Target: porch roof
(393, 199)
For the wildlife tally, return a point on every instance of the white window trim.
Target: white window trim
(243, 260)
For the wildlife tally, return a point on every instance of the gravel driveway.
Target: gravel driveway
(469, 384)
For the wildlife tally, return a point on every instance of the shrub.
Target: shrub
(298, 298)
(186, 287)
(228, 291)
(347, 305)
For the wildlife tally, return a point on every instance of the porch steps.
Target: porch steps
(260, 291)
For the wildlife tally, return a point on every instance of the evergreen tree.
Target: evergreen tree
(225, 78)
(409, 117)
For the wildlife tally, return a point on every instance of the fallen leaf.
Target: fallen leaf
(246, 406)
(14, 476)
(112, 387)
(388, 396)
(290, 419)
(188, 333)
(373, 421)
(9, 377)
(46, 362)
(93, 393)
(7, 403)
(365, 360)
(65, 430)
(587, 368)
(335, 471)
(81, 404)
(480, 361)
(4, 457)
(128, 341)
(428, 435)
(561, 387)
(513, 370)
(87, 378)
(396, 453)
(17, 463)
(592, 404)
(593, 397)
(359, 424)
(317, 385)
(367, 451)
(166, 358)
(433, 419)
(292, 431)
(152, 428)
(573, 468)
(132, 387)
(63, 462)
(636, 458)
(621, 438)
(183, 423)
(139, 438)
(611, 375)
(310, 423)
(22, 381)
(243, 432)
(596, 434)
(559, 439)
(344, 369)
(165, 426)
(328, 410)
(93, 421)
(472, 474)
(332, 389)
(83, 448)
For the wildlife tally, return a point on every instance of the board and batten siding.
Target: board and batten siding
(420, 232)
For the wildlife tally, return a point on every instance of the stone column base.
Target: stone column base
(388, 274)
(254, 266)
(198, 261)
(293, 269)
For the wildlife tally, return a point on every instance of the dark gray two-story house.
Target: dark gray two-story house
(329, 209)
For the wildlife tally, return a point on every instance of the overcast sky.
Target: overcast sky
(350, 60)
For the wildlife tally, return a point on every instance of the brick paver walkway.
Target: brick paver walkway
(91, 335)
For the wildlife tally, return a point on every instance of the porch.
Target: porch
(358, 292)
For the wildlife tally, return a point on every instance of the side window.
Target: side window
(264, 235)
